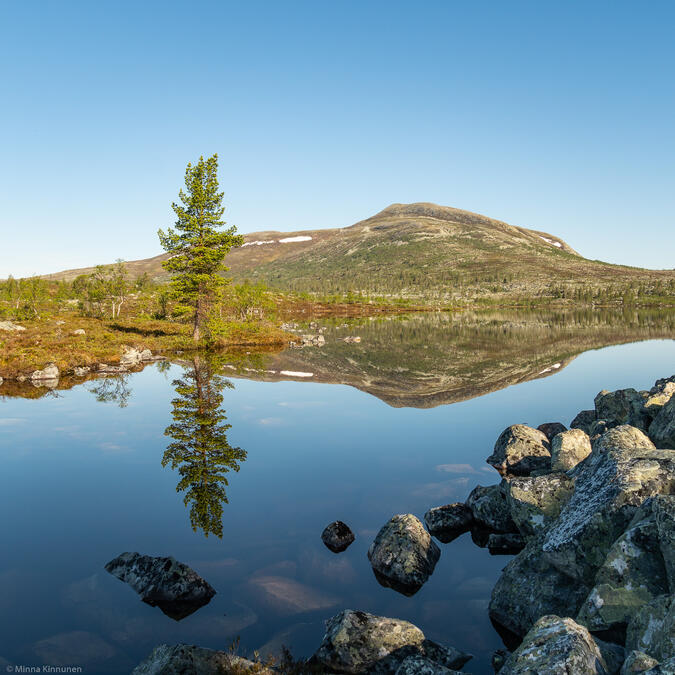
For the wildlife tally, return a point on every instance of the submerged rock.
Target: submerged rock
(632, 575)
(163, 582)
(448, 522)
(584, 420)
(358, 642)
(490, 509)
(569, 448)
(520, 450)
(551, 429)
(609, 487)
(662, 429)
(403, 555)
(556, 646)
(420, 665)
(192, 660)
(337, 536)
(624, 406)
(535, 501)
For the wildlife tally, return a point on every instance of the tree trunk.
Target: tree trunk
(196, 330)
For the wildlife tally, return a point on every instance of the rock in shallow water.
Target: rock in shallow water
(556, 646)
(624, 406)
(448, 522)
(337, 536)
(520, 450)
(358, 642)
(163, 582)
(505, 544)
(490, 508)
(403, 555)
(193, 660)
(584, 420)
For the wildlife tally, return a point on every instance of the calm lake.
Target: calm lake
(358, 431)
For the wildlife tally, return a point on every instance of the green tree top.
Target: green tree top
(198, 245)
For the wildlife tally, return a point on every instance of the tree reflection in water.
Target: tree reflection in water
(200, 449)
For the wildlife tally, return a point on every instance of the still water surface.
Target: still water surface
(426, 397)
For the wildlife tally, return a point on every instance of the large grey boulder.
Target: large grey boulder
(663, 507)
(490, 508)
(584, 421)
(163, 582)
(556, 646)
(632, 575)
(192, 660)
(624, 406)
(609, 487)
(536, 501)
(448, 522)
(624, 436)
(403, 555)
(569, 448)
(520, 450)
(652, 628)
(662, 429)
(358, 642)
(530, 587)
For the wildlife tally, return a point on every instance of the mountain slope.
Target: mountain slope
(413, 250)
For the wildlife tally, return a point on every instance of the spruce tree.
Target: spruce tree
(199, 245)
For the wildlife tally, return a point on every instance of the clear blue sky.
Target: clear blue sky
(558, 116)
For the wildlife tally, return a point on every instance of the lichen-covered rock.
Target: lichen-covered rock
(637, 662)
(530, 587)
(490, 508)
(599, 428)
(583, 421)
(624, 406)
(81, 371)
(192, 660)
(659, 395)
(337, 536)
(662, 429)
(569, 448)
(420, 665)
(535, 501)
(632, 575)
(663, 507)
(448, 522)
(403, 555)
(556, 646)
(358, 642)
(505, 544)
(163, 582)
(551, 429)
(666, 667)
(130, 357)
(520, 450)
(609, 487)
(624, 436)
(652, 628)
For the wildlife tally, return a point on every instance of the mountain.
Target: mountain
(413, 250)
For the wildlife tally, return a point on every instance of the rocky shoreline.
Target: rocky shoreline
(590, 512)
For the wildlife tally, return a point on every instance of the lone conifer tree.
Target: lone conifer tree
(198, 246)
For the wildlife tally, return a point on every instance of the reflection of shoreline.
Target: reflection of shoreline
(427, 360)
